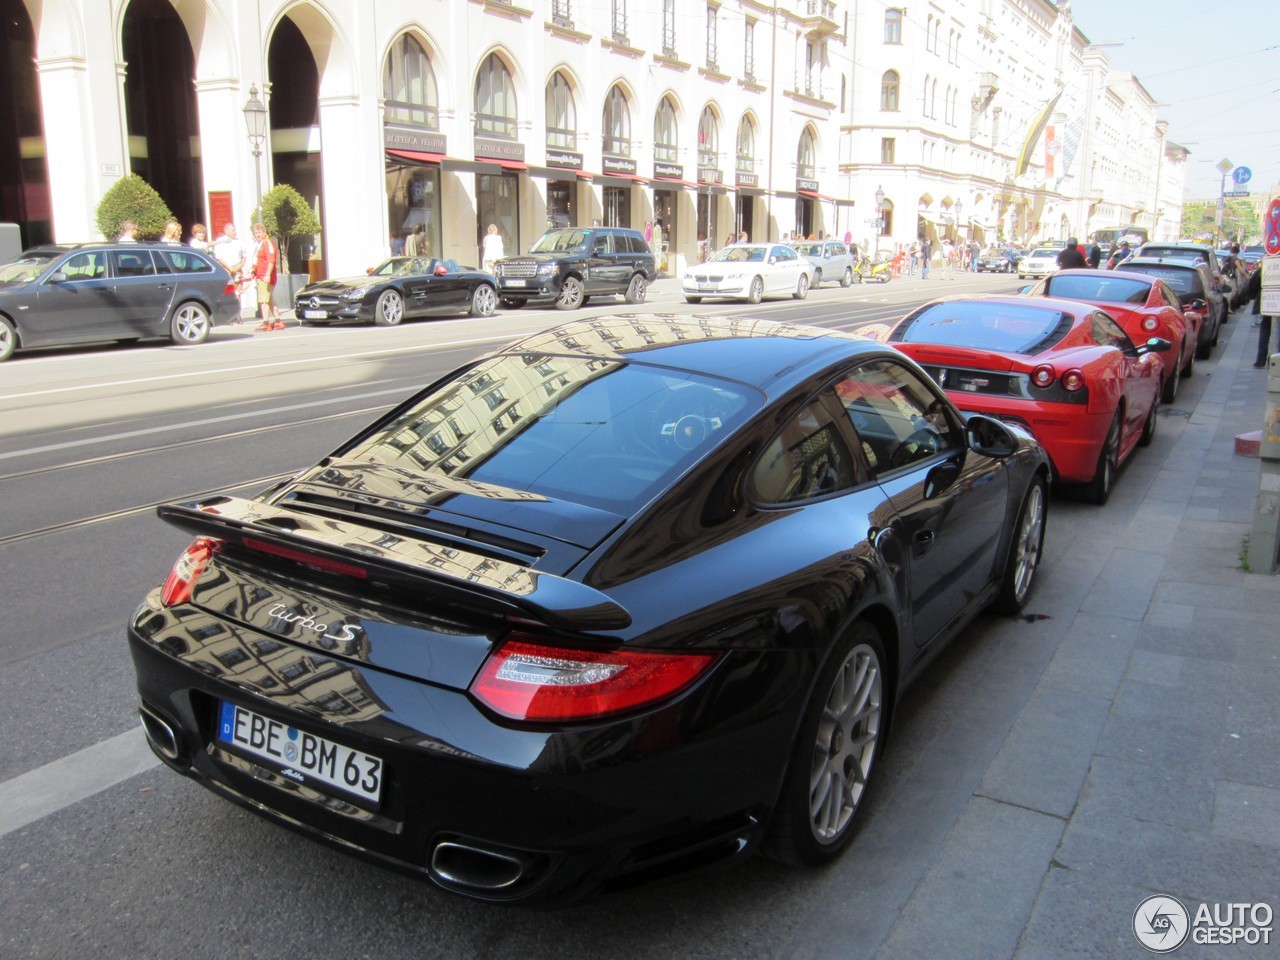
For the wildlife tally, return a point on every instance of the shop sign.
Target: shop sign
(564, 159)
(412, 138)
(618, 165)
(804, 183)
(498, 149)
(668, 171)
(747, 180)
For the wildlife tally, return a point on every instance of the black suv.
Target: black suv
(570, 265)
(1200, 253)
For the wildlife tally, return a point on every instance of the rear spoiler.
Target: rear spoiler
(402, 560)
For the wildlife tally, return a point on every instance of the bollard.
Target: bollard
(1265, 538)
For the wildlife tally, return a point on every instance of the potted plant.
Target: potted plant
(132, 198)
(286, 215)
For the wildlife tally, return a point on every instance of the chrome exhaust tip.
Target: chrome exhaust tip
(160, 735)
(476, 868)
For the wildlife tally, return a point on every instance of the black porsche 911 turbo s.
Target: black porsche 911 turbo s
(621, 599)
(399, 288)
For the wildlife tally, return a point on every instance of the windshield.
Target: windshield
(984, 325)
(1182, 279)
(562, 241)
(402, 267)
(1111, 289)
(739, 253)
(24, 270)
(1046, 251)
(602, 433)
(809, 249)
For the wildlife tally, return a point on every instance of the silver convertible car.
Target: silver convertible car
(58, 295)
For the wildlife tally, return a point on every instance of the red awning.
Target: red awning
(814, 194)
(416, 156)
(507, 164)
(692, 185)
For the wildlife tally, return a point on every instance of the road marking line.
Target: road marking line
(38, 793)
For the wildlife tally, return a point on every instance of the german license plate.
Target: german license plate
(314, 315)
(513, 283)
(706, 286)
(302, 757)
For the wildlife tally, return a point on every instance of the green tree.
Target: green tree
(132, 198)
(286, 215)
(1238, 218)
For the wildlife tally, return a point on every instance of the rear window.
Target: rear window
(1184, 280)
(602, 433)
(982, 325)
(1111, 289)
(1194, 254)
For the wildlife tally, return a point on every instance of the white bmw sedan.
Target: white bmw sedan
(751, 272)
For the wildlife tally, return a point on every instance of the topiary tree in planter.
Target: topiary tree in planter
(132, 198)
(286, 215)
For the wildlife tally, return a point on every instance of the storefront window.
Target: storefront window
(617, 206)
(560, 206)
(498, 202)
(665, 141)
(413, 205)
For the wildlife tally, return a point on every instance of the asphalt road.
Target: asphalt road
(117, 857)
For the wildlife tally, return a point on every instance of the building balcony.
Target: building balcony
(818, 18)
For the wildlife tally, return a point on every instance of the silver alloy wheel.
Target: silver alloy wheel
(802, 287)
(8, 339)
(756, 293)
(1030, 538)
(390, 309)
(571, 294)
(847, 279)
(637, 289)
(484, 300)
(848, 732)
(190, 324)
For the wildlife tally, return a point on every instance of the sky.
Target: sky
(1215, 67)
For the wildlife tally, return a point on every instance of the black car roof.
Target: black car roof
(766, 354)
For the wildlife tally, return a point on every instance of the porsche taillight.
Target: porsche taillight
(526, 678)
(186, 571)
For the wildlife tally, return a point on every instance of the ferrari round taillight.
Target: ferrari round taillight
(1073, 380)
(527, 679)
(185, 573)
(1150, 324)
(1043, 375)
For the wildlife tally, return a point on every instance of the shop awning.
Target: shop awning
(689, 184)
(505, 164)
(751, 191)
(415, 156)
(619, 180)
(813, 194)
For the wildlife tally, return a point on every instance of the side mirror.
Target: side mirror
(1155, 345)
(773, 259)
(1198, 305)
(989, 437)
(368, 269)
(57, 277)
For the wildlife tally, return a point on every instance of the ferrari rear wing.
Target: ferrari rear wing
(393, 557)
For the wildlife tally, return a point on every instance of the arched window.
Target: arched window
(933, 100)
(955, 99)
(708, 139)
(893, 26)
(946, 107)
(562, 118)
(889, 90)
(805, 164)
(495, 100)
(924, 98)
(746, 162)
(665, 142)
(617, 123)
(409, 85)
(886, 217)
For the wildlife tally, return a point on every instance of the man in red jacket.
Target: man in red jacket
(264, 276)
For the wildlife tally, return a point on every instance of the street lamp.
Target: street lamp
(879, 218)
(255, 121)
(959, 209)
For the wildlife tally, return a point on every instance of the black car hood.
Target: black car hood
(339, 284)
(550, 257)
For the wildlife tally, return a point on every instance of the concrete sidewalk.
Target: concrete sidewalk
(1147, 759)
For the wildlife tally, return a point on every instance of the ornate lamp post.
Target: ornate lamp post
(879, 218)
(959, 209)
(255, 121)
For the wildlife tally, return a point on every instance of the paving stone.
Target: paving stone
(1246, 812)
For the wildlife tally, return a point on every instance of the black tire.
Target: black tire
(817, 279)
(572, 294)
(510, 303)
(1171, 384)
(689, 299)
(1217, 332)
(389, 310)
(1098, 490)
(1189, 367)
(637, 289)
(1149, 425)
(756, 292)
(8, 339)
(484, 300)
(1205, 350)
(835, 752)
(802, 287)
(847, 279)
(1025, 549)
(189, 324)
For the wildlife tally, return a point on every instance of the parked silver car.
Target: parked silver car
(831, 260)
(85, 293)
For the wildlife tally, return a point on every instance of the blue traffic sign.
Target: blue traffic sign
(1241, 175)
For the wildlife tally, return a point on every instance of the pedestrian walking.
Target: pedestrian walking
(914, 262)
(1119, 255)
(491, 250)
(926, 254)
(1070, 256)
(1094, 256)
(948, 258)
(975, 254)
(1254, 292)
(264, 278)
